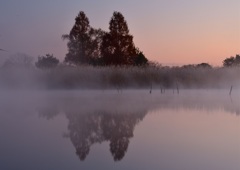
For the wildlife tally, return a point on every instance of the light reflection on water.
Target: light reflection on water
(131, 130)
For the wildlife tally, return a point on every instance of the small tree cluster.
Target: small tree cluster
(87, 45)
(232, 61)
(197, 66)
(46, 62)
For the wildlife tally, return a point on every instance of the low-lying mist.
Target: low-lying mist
(127, 102)
(119, 78)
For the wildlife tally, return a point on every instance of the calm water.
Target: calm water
(193, 130)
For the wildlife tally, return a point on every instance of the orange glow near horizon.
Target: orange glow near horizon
(202, 42)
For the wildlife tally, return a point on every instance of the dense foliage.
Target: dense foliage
(232, 61)
(83, 42)
(47, 62)
(118, 47)
(90, 46)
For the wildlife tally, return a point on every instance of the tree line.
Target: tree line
(49, 61)
(90, 46)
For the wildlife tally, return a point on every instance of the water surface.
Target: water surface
(128, 130)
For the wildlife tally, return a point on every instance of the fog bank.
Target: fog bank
(118, 78)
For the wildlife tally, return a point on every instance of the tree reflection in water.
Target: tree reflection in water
(103, 120)
(88, 129)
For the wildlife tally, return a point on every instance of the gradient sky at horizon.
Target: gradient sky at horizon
(171, 32)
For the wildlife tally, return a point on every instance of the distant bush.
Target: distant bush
(232, 61)
(46, 62)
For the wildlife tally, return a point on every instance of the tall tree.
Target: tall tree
(84, 41)
(94, 46)
(117, 45)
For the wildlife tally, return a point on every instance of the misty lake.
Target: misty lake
(132, 129)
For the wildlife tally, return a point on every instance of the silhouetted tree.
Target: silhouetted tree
(140, 59)
(189, 66)
(203, 65)
(83, 42)
(232, 61)
(237, 60)
(228, 62)
(46, 62)
(95, 46)
(117, 45)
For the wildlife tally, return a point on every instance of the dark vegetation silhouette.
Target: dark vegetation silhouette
(117, 46)
(47, 62)
(204, 65)
(83, 42)
(232, 61)
(19, 72)
(140, 59)
(90, 46)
